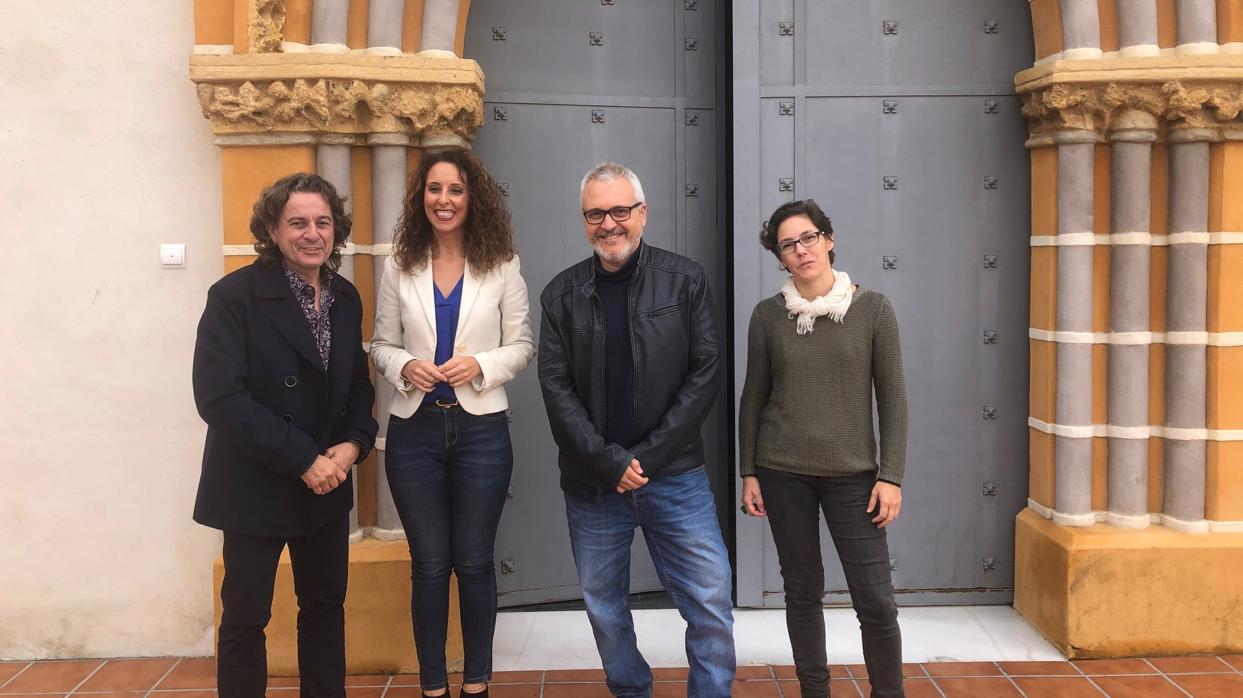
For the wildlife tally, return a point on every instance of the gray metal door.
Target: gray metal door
(899, 118)
(572, 83)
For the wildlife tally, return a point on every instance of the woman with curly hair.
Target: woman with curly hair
(452, 327)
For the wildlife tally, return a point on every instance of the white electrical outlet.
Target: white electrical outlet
(173, 256)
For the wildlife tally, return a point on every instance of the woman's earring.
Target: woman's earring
(783, 267)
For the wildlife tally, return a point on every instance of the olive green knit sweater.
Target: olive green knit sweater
(807, 401)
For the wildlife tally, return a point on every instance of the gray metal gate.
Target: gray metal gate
(899, 118)
(572, 83)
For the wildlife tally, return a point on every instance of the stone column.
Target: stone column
(1186, 330)
(329, 25)
(1081, 29)
(1197, 27)
(1137, 28)
(1075, 239)
(439, 35)
(385, 20)
(1130, 239)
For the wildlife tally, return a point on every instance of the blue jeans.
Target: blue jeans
(449, 474)
(678, 517)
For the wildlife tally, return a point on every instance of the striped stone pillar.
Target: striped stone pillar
(1075, 240)
(330, 26)
(1137, 28)
(385, 19)
(440, 28)
(1197, 26)
(1185, 335)
(1129, 269)
(1081, 29)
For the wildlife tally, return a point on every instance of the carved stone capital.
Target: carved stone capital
(423, 99)
(265, 20)
(1181, 94)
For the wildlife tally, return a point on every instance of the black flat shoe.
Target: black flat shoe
(481, 694)
(438, 695)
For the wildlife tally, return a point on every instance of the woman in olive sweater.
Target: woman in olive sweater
(806, 442)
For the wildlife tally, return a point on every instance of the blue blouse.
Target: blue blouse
(447, 310)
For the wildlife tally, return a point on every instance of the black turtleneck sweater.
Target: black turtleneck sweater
(613, 289)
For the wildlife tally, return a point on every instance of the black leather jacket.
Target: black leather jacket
(677, 360)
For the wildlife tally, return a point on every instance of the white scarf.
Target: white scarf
(835, 303)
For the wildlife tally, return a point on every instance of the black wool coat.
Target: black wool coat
(270, 406)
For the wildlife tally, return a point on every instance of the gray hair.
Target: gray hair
(609, 171)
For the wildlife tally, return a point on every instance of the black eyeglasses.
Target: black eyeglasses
(806, 240)
(596, 216)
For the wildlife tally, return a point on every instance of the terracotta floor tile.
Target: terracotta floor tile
(754, 671)
(576, 690)
(51, 677)
(404, 680)
(1234, 660)
(913, 671)
(1039, 668)
(512, 690)
(499, 677)
(183, 694)
(283, 692)
(32, 695)
(364, 691)
(402, 692)
(1211, 685)
(367, 680)
(283, 682)
(756, 689)
(672, 673)
(1106, 667)
(669, 689)
(128, 674)
(784, 671)
(574, 675)
(10, 669)
(920, 688)
(194, 672)
(840, 688)
(864, 687)
(1056, 687)
(857, 671)
(986, 687)
(838, 671)
(1191, 665)
(1138, 687)
(962, 669)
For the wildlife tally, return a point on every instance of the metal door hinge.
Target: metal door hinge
(990, 412)
(785, 108)
(500, 113)
(990, 261)
(785, 28)
(889, 182)
(889, 106)
(690, 5)
(691, 118)
(692, 190)
(597, 116)
(990, 106)
(595, 38)
(893, 564)
(889, 262)
(991, 336)
(990, 563)
(508, 566)
(606, 2)
(510, 493)
(785, 184)
(990, 26)
(690, 43)
(504, 187)
(990, 489)
(889, 27)
(500, 33)
(990, 182)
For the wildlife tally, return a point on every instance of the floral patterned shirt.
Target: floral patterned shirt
(321, 322)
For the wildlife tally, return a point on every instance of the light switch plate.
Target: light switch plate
(173, 256)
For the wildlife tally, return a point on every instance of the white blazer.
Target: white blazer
(494, 326)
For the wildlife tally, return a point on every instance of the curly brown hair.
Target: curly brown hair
(489, 233)
(267, 213)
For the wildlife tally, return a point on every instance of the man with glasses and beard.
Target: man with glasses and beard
(629, 360)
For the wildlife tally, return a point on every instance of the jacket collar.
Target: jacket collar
(643, 253)
(270, 283)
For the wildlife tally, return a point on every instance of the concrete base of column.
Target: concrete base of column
(378, 635)
(1105, 591)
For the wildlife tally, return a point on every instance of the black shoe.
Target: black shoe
(481, 694)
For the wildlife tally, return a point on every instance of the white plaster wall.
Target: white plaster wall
(103, 155)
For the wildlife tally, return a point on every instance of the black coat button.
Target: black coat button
(288, 418)
(291, 381)
(342, 412)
